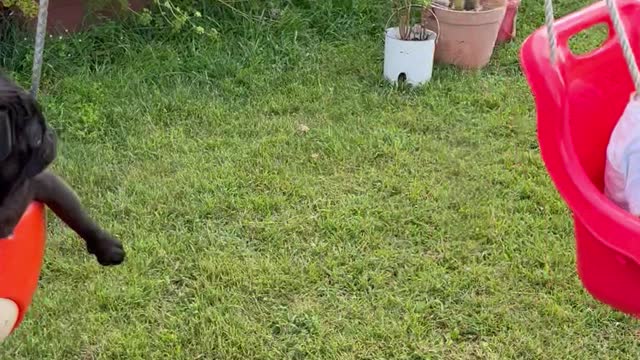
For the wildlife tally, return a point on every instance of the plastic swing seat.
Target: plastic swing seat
(579, 100)
(20, 265)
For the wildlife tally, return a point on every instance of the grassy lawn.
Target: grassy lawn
(404, 224)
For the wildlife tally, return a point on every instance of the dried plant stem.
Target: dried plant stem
(406, 30)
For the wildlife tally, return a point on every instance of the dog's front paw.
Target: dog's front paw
(107, 250)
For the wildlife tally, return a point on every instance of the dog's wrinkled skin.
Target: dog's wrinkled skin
(27, 148)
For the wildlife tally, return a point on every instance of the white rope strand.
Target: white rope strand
(41, 32)
(624, 42)
(551, 34)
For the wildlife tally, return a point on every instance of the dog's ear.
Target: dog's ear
(6, 135)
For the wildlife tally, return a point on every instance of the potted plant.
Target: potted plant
(468, 31)
(409, 46)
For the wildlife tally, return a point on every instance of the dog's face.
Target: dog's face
(27, 144)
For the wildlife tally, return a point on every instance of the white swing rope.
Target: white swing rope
(38, 55)
(619, 28)
(551, 34)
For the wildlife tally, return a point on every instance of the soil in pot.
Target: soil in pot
(466, 38)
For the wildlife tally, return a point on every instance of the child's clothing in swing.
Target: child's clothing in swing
(622, 170)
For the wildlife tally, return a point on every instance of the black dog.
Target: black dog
(27, 148)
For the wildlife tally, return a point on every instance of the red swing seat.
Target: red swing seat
(578, 102)
(21, 261)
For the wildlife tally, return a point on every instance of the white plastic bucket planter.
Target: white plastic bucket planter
(408, 60)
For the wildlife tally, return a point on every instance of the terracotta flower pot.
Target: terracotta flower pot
(75, 15)
(466, 38)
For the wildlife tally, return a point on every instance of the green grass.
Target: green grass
(405, 224)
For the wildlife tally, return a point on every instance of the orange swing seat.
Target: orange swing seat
(20, 264)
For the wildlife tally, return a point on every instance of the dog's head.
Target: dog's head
(27, 144)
